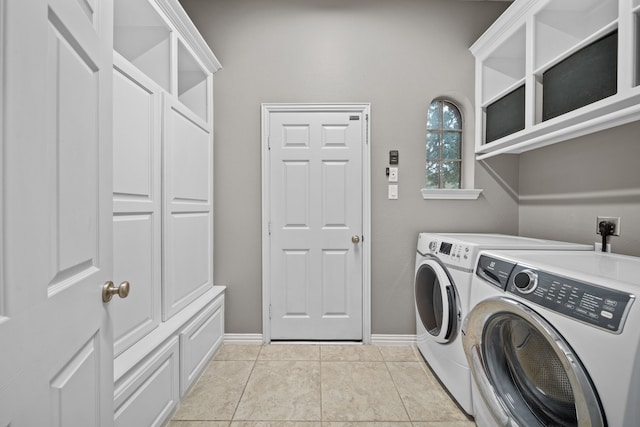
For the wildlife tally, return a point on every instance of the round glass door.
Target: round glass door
(436, 301)
(525, 371)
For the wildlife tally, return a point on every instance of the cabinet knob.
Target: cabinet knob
(109, 290)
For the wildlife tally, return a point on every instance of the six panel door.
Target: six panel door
(56, 363)
(316, 225)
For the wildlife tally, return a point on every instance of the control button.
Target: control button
(525, 281)
(606, 314)
(611, 302)
(593, 315)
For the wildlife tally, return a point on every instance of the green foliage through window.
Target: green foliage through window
(444, 145)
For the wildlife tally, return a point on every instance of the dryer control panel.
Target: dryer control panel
(453, 254)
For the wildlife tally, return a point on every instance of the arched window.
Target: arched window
(444, 145)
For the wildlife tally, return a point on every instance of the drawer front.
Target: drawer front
(199, 340)
(148, 395)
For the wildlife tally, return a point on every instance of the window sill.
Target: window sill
(450, 194)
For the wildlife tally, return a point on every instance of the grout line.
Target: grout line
(245, 386)
(395, 385)
(320, 362)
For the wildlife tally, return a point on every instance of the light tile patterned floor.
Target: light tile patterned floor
(307, 385)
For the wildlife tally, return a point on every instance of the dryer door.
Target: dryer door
(526, 373)
(436, 301)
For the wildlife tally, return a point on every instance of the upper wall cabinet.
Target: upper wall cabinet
(157, 37)
(551, 70)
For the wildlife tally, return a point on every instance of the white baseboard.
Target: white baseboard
(385, 339)
(376, 339)
(243, 338)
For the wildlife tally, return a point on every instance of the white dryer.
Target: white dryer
(553, 339)
(443, 272)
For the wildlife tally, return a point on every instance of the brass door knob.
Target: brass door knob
(355, 239)
(109, 290)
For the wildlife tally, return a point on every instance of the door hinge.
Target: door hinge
(270, 311)
(269, 142)
(366, 132)
(269, 228)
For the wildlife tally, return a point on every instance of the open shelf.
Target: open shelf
(562, 26)
(504, 69)
(192, 82)
(143, 38)
(579, 62)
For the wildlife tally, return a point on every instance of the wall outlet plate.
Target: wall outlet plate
(614, 219)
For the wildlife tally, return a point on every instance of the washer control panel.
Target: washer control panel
(598, 306)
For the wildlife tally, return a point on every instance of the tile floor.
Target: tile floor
(307, 385)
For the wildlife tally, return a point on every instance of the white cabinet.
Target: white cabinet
(137, 217)
(173, 320)
(188, 222)
(147, 396)
(199, 339)
(520, 56)
(156, 372)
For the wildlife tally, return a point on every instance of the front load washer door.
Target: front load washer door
(526, 373)
(436, 301)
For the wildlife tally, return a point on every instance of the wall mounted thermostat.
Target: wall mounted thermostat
(393, 157)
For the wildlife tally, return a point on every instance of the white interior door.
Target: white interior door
(315, 209)
(56, 362)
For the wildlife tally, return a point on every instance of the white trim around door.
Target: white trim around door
(364, 110)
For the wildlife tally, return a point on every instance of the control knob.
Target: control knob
(433, 245)
(525, 281)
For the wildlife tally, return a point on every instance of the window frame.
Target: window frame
(467, 191)
(441, 130)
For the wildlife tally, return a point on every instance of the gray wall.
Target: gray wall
(398, 55)
(564, 187)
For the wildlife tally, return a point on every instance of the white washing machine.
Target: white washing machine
(443, 273)
(554, 339)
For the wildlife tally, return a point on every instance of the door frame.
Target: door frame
(365, 109)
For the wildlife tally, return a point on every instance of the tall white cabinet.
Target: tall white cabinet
(173, 319)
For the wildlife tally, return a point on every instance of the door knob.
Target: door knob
(109, 290)
(355, 239)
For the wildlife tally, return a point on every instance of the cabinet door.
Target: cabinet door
(148, 394)
(188, 207)
(199, 340)
(136, 202)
